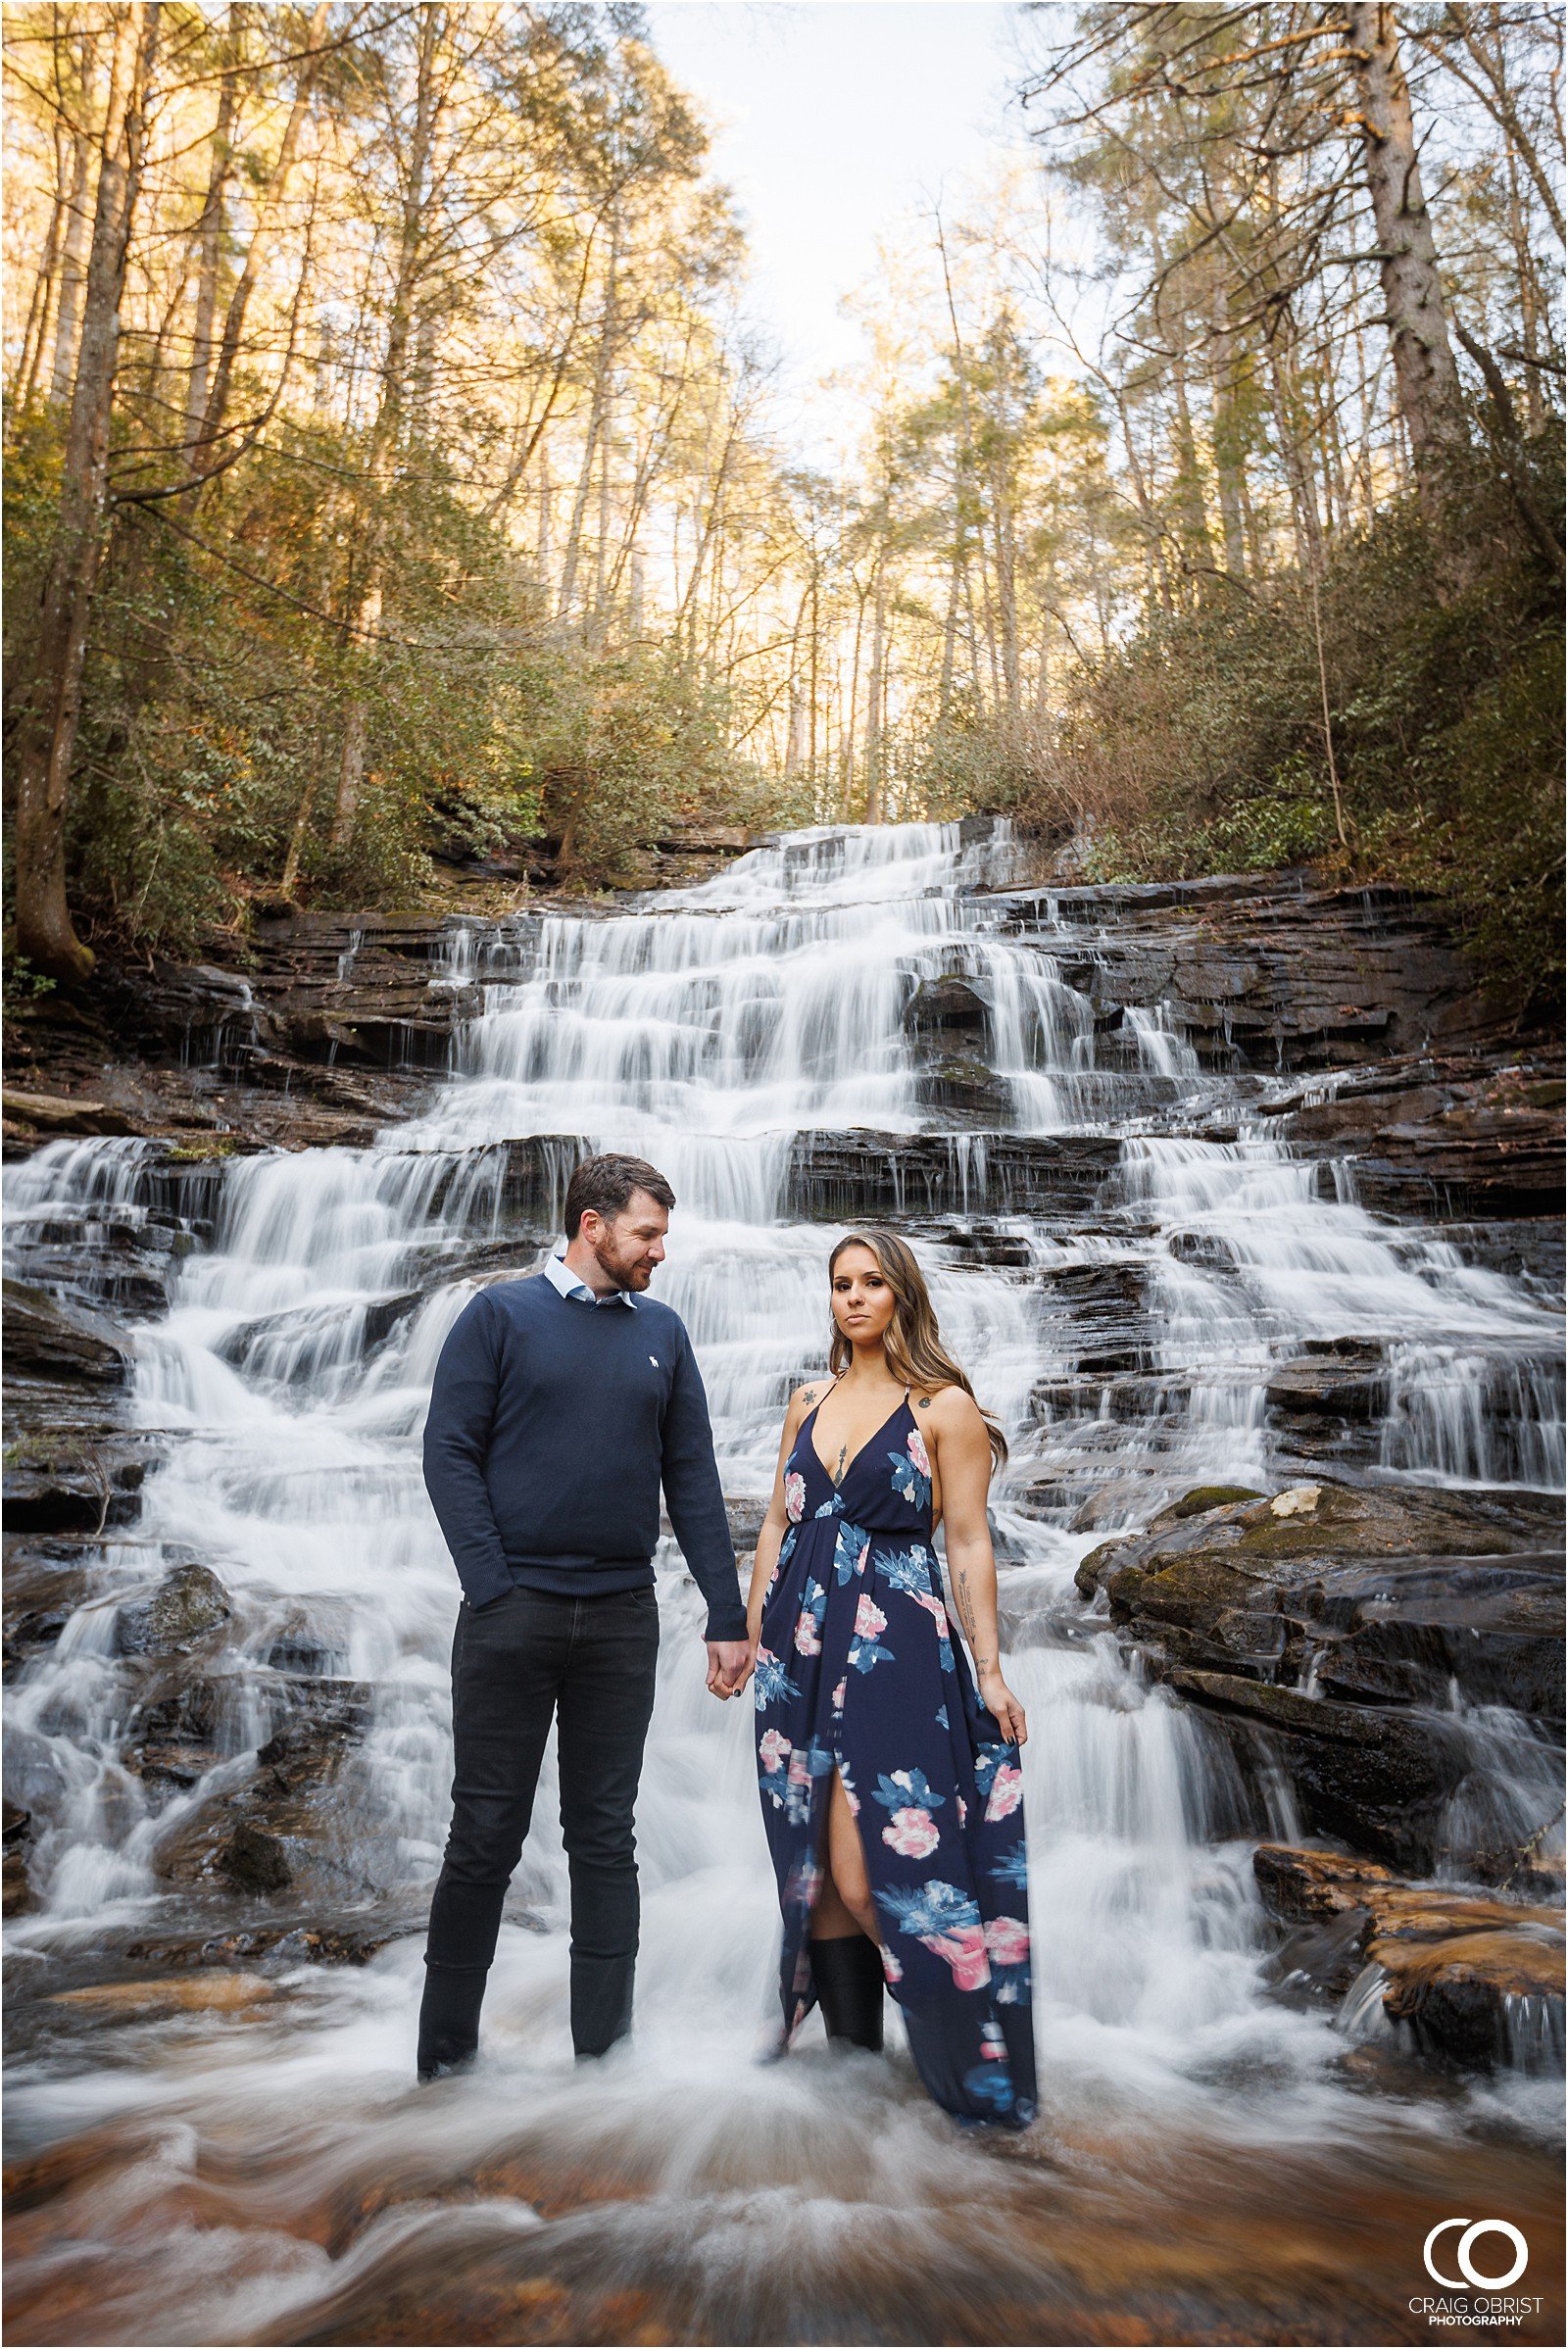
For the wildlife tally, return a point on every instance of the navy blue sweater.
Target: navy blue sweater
(550, 1427)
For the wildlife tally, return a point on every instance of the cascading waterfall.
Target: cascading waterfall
(708, 1030)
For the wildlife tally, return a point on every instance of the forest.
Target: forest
(393, 472)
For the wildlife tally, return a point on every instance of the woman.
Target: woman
(891, 1792)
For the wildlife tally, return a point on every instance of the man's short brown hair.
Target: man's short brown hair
(606, 1183)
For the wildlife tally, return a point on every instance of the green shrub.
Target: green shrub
(627, 745)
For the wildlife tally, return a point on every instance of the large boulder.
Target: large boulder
(1323, 1630)
(49, 1113)
(960, 1084)
(1452, 1584)
(182, 1613)
(1378, 1776)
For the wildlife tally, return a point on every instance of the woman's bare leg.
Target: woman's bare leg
(844, 1905)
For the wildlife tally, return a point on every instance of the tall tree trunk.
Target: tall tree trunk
(1154, 537)
(543, 537)
(874, 690)
(1007, 583)
(950, 633)
(814, 683)
(1230, 448)
(1425, 374)
(794, 728)
(607, 444)
(597, 402)
(210, 235)
(1192, 514)
(401, 330)
(847, 732)
(29, 363)
(52, 704)
(1533, 306)
(270, 205)
(79, 229)
(710, 492)
(1286, 402)
(967, 503)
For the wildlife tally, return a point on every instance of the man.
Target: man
(560, 1404)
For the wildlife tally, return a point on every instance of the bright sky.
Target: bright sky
(834, 120)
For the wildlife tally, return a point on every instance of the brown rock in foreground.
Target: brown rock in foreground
(1462, 1972)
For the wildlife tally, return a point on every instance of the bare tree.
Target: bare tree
(1407, 258)
(46, 734)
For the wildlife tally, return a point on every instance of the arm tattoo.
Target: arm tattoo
(966, 1612)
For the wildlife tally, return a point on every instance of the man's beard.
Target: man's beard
(633, 1274)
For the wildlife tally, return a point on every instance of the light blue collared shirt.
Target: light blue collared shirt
(566, 1284)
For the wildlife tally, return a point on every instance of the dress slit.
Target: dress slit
(859, 1675)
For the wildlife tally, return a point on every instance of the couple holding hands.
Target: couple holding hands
(887, 1762)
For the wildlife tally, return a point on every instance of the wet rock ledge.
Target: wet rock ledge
(324, 1028)
(1344, 1650)
(1326, 1630)
(1269, 971)
(332, 1029)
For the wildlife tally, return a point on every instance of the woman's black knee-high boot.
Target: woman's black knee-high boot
(849, 1986)
(449, 2018)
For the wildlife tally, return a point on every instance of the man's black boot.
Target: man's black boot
(449, 2018)
(849, 1986)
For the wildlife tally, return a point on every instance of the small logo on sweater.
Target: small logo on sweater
(654, 1358)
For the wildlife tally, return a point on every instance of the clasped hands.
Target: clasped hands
(729, 1666)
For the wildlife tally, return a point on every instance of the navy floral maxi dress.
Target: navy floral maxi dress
(858, 1671)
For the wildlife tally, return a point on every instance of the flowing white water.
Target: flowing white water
(707, 1031)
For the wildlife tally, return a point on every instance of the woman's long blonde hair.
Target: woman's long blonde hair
(912, 1342)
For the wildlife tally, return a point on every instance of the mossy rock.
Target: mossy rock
(185, 1606)
(198, 1153)
(1125, 1587)
(1087, 1578)
(1203, 1497)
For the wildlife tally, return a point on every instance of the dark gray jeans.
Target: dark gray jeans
(526, 1658)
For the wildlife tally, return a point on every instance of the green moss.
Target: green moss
(197, 1153)
(1203, 1497)
(1287, 1538)
(1125, 1588)
(1194, 1589)
(1087, 1578)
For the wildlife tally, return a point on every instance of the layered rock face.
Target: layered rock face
(1238, 1198)
(1331, 1626)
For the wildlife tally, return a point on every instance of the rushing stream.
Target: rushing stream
(1213, 2162)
